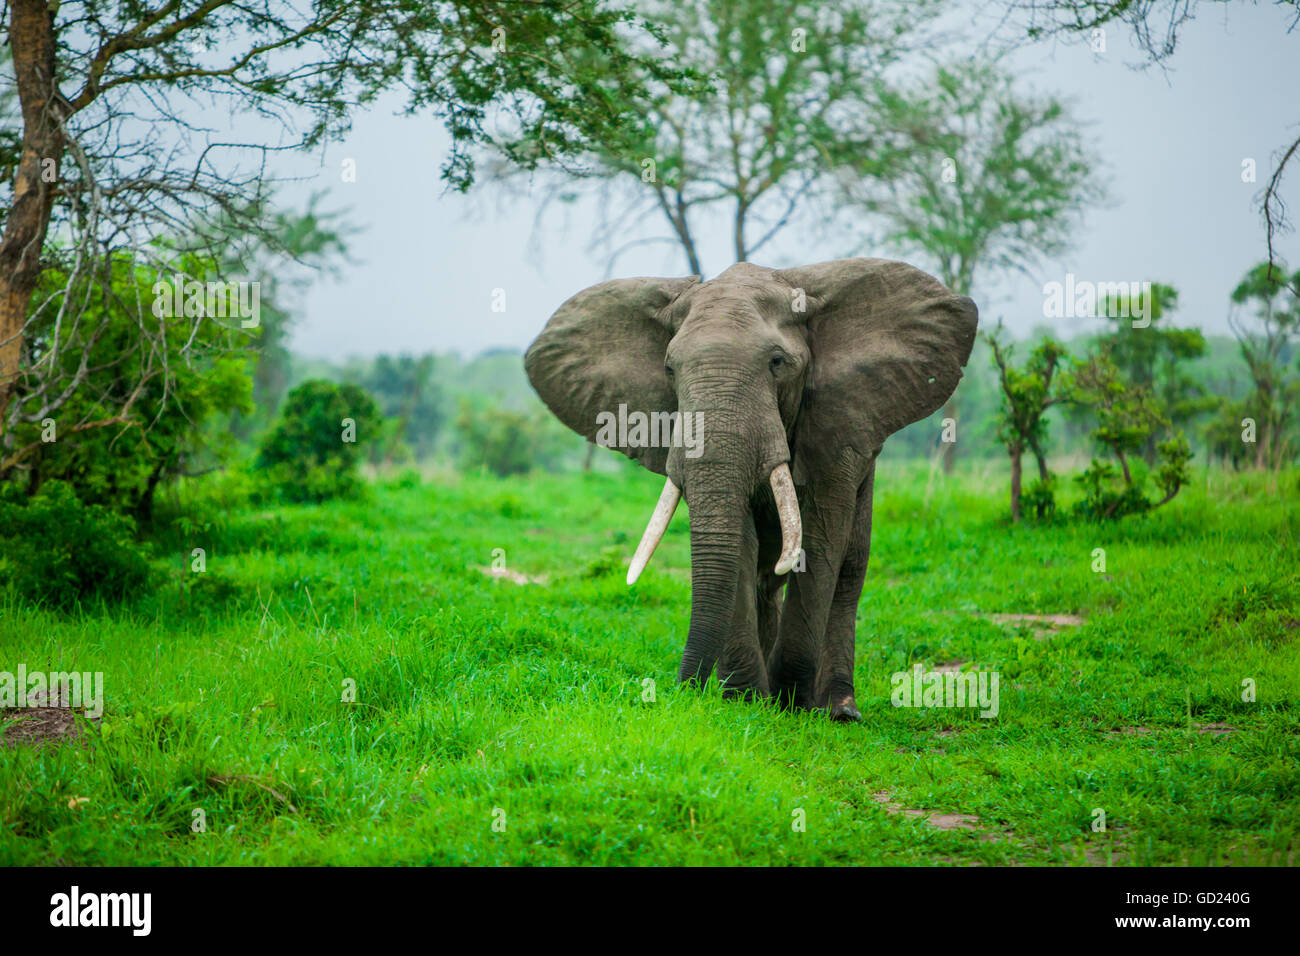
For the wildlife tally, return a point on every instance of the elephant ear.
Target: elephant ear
(888, 343)
(604, 348)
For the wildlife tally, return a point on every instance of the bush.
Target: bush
(1225, 435)
(504, 442)
(171, 414)
(312, 452)
(1173, 455)
(61, 552)
(1105, 496)
(1039, 499)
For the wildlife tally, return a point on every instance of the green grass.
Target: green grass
(482, 700)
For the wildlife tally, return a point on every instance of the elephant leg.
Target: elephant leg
(792, 661)
(831, 512)
(741, 667)
(835, 669)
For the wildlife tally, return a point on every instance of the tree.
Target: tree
(1151, 355)
(1270, 354)
(975, 176)
(303, 246)
(1027, 394)
(1127, 415)
(100, 443)
(791, 93)
(106, 160)
(404, 387)
(1226, 431)
(506, 442)
(1154, 25)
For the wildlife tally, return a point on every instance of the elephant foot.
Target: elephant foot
(845, 710)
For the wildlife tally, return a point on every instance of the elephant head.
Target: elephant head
(785, 382)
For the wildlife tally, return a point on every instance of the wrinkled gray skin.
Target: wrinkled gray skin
(819, 383)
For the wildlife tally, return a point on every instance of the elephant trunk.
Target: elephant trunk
(716, 545)
(721, 497)
(742, 451)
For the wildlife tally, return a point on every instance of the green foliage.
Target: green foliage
(975, 174)
(410, 401)
(151, 726)
(1106, 495)
(791, 96)
(313, 451)
(503, 441)
(292, 251)
(1173, 455)
(1132, 387)
(61, 552)
(1270, 343)
(1155, 357)
(131, 426)
(1126, 415)
(608, 564)
(1224, 434)
(1039, 499)
(1027, 394)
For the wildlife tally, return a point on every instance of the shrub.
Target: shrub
(61, 552)
(1173, 455)
(1039, 499)
(504, 442)
(141, 425)
(312, 452)
(1225, 435)
(1105, 495)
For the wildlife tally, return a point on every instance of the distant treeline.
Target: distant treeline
(438, 399)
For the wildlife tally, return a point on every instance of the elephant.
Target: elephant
(796, 377)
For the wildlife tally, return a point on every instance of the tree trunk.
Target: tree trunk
(144, 504)
(1015, 485)
(739, 228)
(31, 38)
(1041, 459)
(1123, 464)
(591, 452)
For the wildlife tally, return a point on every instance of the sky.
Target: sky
(425, 265)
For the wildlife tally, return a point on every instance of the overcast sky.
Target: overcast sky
(424, 263)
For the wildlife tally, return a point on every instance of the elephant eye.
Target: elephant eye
(668, 370)
(777, 362)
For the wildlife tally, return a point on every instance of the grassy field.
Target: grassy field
(504, 720)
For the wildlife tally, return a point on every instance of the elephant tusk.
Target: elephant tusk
(654, 531)
(787, 506)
